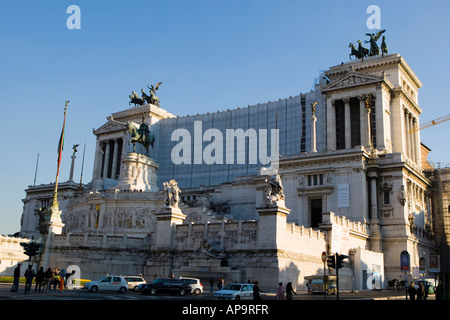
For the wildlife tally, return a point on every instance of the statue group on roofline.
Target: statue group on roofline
(146, 98)
(375, 50)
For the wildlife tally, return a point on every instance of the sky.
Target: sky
(210, 55)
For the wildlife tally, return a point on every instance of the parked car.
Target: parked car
(196, 285)
(134, 282)
(108, 283)
(170, 286)
(235, 291)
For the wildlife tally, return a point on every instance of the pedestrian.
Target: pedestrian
(47, 279)
(280, 292)
(308, 285)
(16, 277)
(412, 292)
(420, 291)
(55, 278)
(289, 291)
(211, 284)
(220, 284)
(396, 285)
(61, 275)
(29, 276)
(256, 291)
(39, 279)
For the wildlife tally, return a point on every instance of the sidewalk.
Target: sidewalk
(6, 293)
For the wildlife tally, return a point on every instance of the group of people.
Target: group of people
(281, 293)
(417, 291)
(44, 280)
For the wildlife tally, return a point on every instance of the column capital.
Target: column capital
(346, 100)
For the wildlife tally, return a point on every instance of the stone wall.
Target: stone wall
(11, 253)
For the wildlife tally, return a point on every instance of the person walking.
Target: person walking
(47, 279)
(256, 291)
(16, 277)
(39, 279)
(220, 284)
(29, 276)
(289, 291)
(280, 292)
(211, 284)
(412, 292)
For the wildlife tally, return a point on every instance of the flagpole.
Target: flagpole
(60, 148)
(82, 166)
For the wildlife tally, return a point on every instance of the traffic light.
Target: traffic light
(339, 260)
(331, 262)
(30, 249)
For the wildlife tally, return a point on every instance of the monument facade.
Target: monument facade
(345, 175)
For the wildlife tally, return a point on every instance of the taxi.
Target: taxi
(108, 283)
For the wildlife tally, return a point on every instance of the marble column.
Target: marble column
(348, 129)
(411, 138)
(115, 156)
(368, 113)
(313, 133)
(362, 120)
(331, 125)
(106, 162)
(416, 142)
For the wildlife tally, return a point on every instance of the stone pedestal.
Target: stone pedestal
(137, 173)
(49, 224)
(271, 224)
(166, 221)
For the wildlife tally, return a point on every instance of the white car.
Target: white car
(195, 284)
(108, 283)
(134, 282)
(235, 291)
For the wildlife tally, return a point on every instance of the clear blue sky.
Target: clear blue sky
(210, 55)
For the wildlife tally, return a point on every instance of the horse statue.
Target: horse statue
(134, 98)
(354, 52)
(364, 51)
(140, 134)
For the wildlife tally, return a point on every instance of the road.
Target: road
(80, 294)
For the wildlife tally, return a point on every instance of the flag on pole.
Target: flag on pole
(61, 138)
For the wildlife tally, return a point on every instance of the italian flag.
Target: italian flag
(61, 141)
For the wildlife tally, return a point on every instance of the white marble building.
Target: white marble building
(351, 171)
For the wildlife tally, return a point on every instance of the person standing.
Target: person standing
(211, 284)
(16, 276)
(29, 276)
(39, 279)
(289, 291)
(280, 292)
(220, 284)
(256, 291)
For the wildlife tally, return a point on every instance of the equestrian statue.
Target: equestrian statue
(140, 134)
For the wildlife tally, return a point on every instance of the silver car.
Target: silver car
(235, 291)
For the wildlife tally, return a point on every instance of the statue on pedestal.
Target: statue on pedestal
(273, 192)
(173, 193)
(141, 135)
(152, 98)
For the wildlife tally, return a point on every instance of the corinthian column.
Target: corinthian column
(348, 129)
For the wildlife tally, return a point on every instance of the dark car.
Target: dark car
(168, 286)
